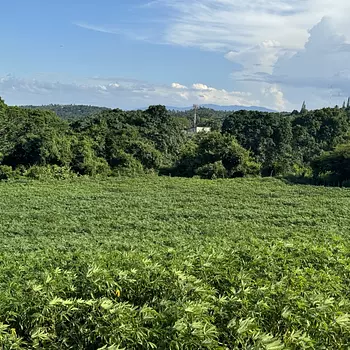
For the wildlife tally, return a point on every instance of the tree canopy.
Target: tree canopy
(92, 140)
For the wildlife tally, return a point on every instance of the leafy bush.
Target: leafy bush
(302, 170)
(85, 161)
(146, 154)
(334, 165)
(96, 166)
(49, 172)
(212, 171)
(125, 164)
(6, 172)
(215, 154)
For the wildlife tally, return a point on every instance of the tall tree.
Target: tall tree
(303, 108)
(267, 135)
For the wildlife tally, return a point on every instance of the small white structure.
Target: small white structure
(198, 129)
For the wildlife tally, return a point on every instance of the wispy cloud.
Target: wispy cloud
(272, 42)
(150, 4)
(280, 58)
(146, 35)
(228, 24)
(96, 28)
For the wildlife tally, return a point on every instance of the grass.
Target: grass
(174, 264)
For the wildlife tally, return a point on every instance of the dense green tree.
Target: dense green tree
(209, 152)
(303, 109)
(318, 131)
(153, 137)
(84, 160)
(267, 135)
(156, 139)
(335, 164)
(39, 149)
(32, 137)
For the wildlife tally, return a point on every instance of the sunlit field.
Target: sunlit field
(165, 263)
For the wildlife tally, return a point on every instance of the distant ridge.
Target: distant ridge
(71, 112)
(224, 108)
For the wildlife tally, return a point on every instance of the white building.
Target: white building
(198, 129)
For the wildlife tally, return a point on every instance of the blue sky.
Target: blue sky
(132, 53)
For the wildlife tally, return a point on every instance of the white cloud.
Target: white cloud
(178, 86)
(277, 96)
(232, 24)
(268, 39)
(199, 86)
(272, 42)
(96, 28)
(260, 58)
(201, 93)
(126, 93)
(114, 85)
(323, 63)
(320, 69)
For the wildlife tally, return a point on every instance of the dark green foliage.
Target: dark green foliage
(333, 166)
(155, 140)
(6, 172)
(214, 155)
(49, 172)
(281, 142)
(153, 137)
(84, 160)
(125, 164)
(267, 135)
(70, 112)
(212, 171)
(303, 109)
(33, 137)
(90, 146)
(318, 131)
(42, 149)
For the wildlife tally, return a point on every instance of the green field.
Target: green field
(174, 264)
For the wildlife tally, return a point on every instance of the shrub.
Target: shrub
(212, 171)
(126, 164)
(85, 161)
(214, 154)
(49, 172)
(6, 172)
(302, 170)
(97, 166)
(334, 165)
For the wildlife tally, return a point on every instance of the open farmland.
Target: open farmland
(174, 264)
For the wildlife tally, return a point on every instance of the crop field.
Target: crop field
(165, 263)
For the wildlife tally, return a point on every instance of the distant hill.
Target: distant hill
(223, 108)
(70, 112)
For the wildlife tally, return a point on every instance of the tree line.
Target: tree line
(309, 146)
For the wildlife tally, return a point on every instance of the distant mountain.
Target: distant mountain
(223, 108)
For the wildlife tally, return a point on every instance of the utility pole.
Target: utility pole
(195, 107)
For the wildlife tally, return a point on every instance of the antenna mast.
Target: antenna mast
(195, 107)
